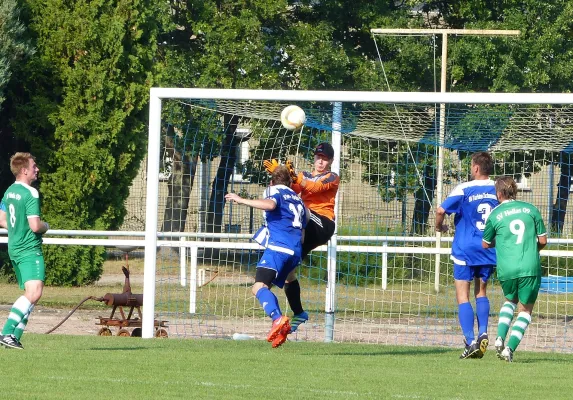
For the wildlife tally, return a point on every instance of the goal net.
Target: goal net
(384, 277)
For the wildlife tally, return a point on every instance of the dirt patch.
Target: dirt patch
(82, 322)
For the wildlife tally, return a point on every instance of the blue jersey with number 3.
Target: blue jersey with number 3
(472, 202)
(282, 230)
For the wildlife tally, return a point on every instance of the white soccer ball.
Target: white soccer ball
(293, 117)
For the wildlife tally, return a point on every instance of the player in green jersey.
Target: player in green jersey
(516, 230)
(20, 214)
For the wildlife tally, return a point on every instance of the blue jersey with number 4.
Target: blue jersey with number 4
(282, 229)
(472, 202)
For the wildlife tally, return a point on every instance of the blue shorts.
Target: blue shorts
(468, 273)
(282, 263)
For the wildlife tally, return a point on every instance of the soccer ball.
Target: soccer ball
(293, 117)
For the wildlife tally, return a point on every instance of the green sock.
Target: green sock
(505, 318)
(17, 312)
(19, 330)
(518, 330)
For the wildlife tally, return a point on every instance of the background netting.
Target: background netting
(386, 252)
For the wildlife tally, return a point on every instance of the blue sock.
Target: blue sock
(466, 316)
(482, 312)
(269, 302)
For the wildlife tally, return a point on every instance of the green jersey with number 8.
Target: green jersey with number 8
(515, 226)
(21, 201)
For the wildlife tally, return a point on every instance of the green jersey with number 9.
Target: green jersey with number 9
(515, 226)
(21, 201)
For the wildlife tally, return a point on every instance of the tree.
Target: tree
(79, 105)
(213, 44)
(15, 47)
(535, 61)
(14, 43)
(538, 60)
(256, 44)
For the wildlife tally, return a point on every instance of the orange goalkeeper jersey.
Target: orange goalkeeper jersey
(319, 193)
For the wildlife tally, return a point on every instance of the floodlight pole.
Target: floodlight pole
(442, 133)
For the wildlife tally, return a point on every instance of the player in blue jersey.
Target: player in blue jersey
(282, 235)
(472, 202)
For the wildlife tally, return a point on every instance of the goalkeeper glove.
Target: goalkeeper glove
(271, 165)
(296, 178)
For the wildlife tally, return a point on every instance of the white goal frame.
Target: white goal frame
(155, 107)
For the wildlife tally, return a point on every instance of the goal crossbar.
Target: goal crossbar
(363, 96)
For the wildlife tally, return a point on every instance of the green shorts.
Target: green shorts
(525, 289)
(29, 267)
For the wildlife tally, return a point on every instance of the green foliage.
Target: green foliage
(362, 269)
(73, 265)
(15, 48)
(80, 106)
(14, 45)
(223, 44)
(6, 271)
(358, 269)
(532, 62)
(79, 103)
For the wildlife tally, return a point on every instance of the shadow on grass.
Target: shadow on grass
(388, 352)
(118, 348)
(535, 360)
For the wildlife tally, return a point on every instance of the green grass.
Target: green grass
(90, 367)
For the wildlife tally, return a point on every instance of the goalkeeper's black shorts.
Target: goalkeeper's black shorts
(318, 231)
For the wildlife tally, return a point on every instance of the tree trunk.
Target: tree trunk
(179, 189)
(221, 182)
(560, 205)
(423, 202)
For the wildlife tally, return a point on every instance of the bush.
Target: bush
(7, 274)
(73, 265)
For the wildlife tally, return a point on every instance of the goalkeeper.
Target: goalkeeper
(318, 191)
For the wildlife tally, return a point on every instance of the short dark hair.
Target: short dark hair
(506, 186)
(485, 162)
(281, 176)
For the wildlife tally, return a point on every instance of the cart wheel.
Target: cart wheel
(161, 333)
(123, 333)
(105, 331)
(136, 332)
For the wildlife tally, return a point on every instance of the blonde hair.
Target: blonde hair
(19, 161)
(506, 187)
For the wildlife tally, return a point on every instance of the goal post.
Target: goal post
(378, 272)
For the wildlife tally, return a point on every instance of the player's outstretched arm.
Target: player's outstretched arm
(261, 204)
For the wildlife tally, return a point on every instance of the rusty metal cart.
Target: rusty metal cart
(131, 319)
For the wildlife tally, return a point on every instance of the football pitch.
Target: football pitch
(93, 367)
